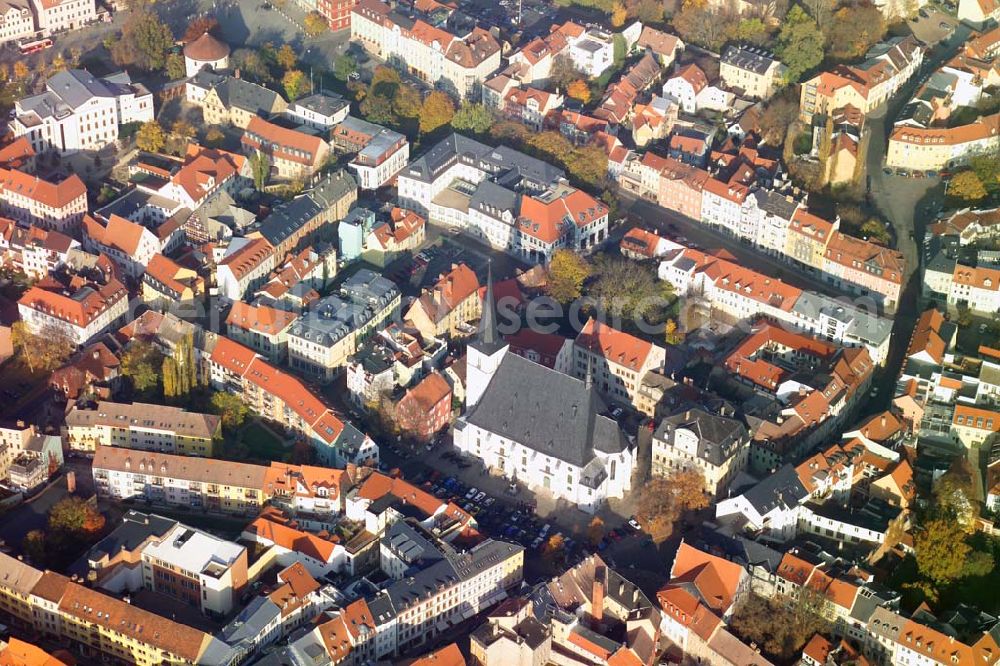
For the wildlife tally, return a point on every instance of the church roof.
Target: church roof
(546, 411)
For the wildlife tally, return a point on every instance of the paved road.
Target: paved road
(906, 203)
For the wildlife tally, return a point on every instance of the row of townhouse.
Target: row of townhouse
(285, 400)
(99, 626)
(142, 427)
(310, 493)
(741, 294)
(513, 202)
(938, 148)
(776, 223)
(79, 111)
(957, 285)
(419, 43)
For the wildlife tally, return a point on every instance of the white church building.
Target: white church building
(538, 426)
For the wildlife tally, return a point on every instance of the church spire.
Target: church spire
(489, 337)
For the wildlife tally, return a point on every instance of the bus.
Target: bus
(35, 46)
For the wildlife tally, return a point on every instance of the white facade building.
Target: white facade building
(79, 111)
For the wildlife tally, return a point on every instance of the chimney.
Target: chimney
(597, 598)
(236, 73)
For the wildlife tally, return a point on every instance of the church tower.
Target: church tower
(485, 353)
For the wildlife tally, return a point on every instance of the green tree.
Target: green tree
(377, 108)
(314, 24)
(967, 187)
(144, 42)
(474, 118)
(751, 30)
(175, 67)
(294, 82)
(941, 551)
(141, 364)
(260, 167)
(407, 103)
(566, 274)
(150, 137)
(800, 43)
(43, 351)
(230, 407)
(437, 111)
(987, 168)
(703, 25)
(344, 66)
(629, 289)
(252, 65)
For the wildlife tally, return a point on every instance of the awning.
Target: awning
(468, 612)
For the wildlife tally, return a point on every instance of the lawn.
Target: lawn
(261, 443)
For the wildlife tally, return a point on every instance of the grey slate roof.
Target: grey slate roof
(776, 204)
(247, 96)
(325, 103)
(362, 296)
(750, 58)
(288, 218)
(134, 529)
(502, 162)
(719, 437)
(783, 488)
(546, 411)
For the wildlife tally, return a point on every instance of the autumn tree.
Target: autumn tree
(471, 117)
(663, 500)
(437, 111)
(587, 164)
(967, 187)
(42, 351)
(595, 531)
(987, 168)
(618, 15)
(230, 407)
(821, 11)
(214, 137)
(294, 83)
(144, 42)
(751, 30)
(76, 516)
(649, 11)
(199, 26)
(285, 57)
(314, 24)
(407, 103)
(579, 90)
(150, 137)
(703, 25)
(855, 29)
(21, 70)
(781, 627)
(955, 496)
(800, 43)
(670, 333)
(566, 274)
(555, 548)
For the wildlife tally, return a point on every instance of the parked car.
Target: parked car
(634, 524)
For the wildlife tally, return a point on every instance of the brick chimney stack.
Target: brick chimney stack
(597, 597)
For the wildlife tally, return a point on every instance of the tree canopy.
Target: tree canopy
(566, 274)
(437, 111)
(144, 42)
(471, 117)
(43, 351)
(800, 43)
(150, 137)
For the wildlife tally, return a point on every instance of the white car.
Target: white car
(634, 524)
(472, 493)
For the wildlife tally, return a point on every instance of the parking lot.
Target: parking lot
(516, 514)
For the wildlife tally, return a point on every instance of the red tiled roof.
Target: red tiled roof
(54, 195)
(616, 346)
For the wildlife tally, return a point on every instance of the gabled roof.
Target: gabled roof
(616, 346)
(54, 195)
(307, 543)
